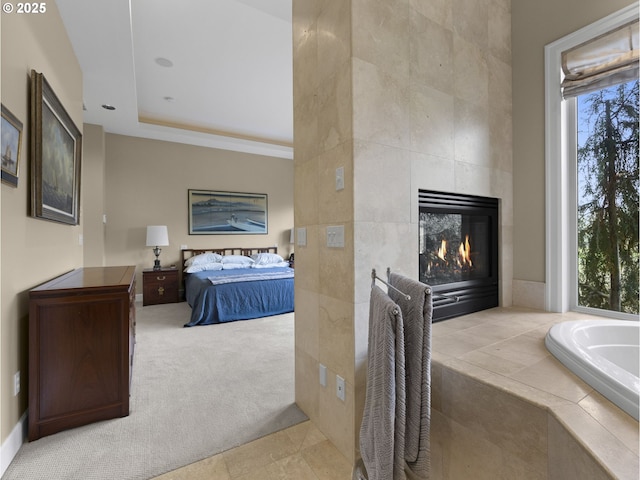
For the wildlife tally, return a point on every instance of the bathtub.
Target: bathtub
(603, 353)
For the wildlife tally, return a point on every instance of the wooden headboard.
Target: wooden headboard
(192, 252)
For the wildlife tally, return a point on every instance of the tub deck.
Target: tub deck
(504, 407)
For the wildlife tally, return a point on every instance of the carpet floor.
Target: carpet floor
(195, 392)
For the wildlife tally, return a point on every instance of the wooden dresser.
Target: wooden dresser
(81, 342)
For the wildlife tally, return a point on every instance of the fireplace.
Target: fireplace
(458, 242)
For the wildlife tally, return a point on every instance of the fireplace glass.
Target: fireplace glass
(458, 242)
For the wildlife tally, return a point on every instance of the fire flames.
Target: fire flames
(444, 259)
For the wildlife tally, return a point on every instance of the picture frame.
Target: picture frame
(55, 160)
(214, 212)
(11, 146)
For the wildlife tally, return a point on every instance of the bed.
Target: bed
(229, 284)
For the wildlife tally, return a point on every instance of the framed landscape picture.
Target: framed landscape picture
(227, 213)
(11, 145)
(56, 149)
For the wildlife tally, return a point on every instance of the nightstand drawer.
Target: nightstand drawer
(159, 286)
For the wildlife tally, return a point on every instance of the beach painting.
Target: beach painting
(227, 213)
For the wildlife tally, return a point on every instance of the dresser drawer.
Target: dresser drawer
(159, 286)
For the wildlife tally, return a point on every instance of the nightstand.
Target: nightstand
(159, 286)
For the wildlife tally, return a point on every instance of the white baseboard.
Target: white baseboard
(13, 443)
(528, 294)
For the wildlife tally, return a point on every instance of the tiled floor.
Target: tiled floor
(300, 452)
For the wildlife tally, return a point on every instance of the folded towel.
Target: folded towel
(416, 315)
(382, 429)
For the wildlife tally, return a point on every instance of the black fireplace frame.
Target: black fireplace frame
(459, 298)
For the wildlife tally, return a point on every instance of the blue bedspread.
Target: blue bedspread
(239, 300)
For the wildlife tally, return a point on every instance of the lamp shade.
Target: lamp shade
(157, 236)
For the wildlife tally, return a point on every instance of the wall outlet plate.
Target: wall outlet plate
(340, 388)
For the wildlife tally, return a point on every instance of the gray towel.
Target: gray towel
(416, 315)
(383, 421)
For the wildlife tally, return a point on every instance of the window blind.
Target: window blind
(606, 60)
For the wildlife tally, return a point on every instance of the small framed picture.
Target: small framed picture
(11, 146)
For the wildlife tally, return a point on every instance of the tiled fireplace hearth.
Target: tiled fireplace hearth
(458, 245)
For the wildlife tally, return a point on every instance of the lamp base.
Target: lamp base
(156, 264)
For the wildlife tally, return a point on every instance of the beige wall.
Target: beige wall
(32, 250)
(147, 183)
(405, 96)
(93, 195)
(534, 25)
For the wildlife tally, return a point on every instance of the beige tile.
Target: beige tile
(380, 105)
(500, 29)
(327, 462)
(472, 135)
(471, 72)
(381, 34)
(597, 440)
(568, 460)
(432, 121)
(305, 435)
(212, 467)
(551, 376)
(505, 420)
(431, 48)
(335, 207)
(440, 11)
(519, 349)
(336, 347)
(492, 363)
(471, 20)
(334, 37)
(259, 453)
(293, 467)
(306, 385)
(382, 183)
(622, 425)
(334, 110)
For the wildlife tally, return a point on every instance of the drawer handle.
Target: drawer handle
(161, 291)
(161, 278)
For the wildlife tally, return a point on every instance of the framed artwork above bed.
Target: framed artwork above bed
(227, 213)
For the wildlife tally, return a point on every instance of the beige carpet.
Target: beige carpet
(195, 392)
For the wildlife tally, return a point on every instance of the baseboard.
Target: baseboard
(13, 443)
(528, 294)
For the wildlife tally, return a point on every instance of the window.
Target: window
(570, 187)
(607, 198)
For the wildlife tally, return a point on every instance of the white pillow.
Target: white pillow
(238, 259)
(272, 265)
(235, 266)
(203, 267)
(203, 258)
(266, 258)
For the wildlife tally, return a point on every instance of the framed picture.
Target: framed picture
(227, 213)
(56, 149)
(11, 146)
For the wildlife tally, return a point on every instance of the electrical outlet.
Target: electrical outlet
(323, 375)
(340, 387)
(16, 383)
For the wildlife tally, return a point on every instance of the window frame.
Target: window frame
(561, 265)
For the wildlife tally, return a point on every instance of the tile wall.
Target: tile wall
(405, 95)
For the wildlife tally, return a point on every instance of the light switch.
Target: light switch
(335, 236)
(301, 236)
(340, 178)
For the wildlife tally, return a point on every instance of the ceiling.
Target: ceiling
(229, 85)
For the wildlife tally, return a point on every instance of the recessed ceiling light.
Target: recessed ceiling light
(106, 106)
(164, 62)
